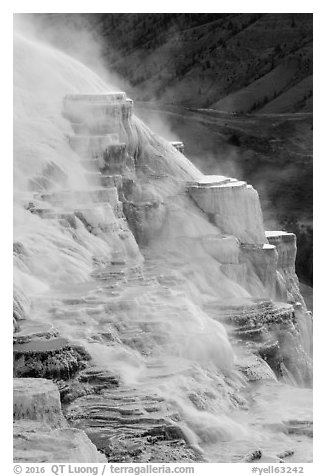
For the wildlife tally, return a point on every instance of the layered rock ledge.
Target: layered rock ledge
(232, 205)
(126, 204)
(287, 280)
(41, 433)
(40, 352)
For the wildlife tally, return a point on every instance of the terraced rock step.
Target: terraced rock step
(178, 145)
(112, 180)
(148, 172)
(66, 197)
(115, 152)
(251, 311)
(92, 146)
(254, 367)
(209, 180)
(90, 107)
(285, 243)
(66, 218)
(41, 433)
(277, 236)
(103, 150)
(95, 217)
(260, 326)
(114, 159)
(35, 443)
(287, 283)
(124, 423)
(96, 98)
(250, 333)
(133, 423)
(216, 181)
(39, 400)
(90, 381)
(299, 427)
(48, 357)
(32, 330)
(232, 205)
(263, 259)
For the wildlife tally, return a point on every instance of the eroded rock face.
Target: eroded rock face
(179, 146)
(39, 400)
(255, 368)
(263, 260)
(36, 443)
(139, 318)
(31, 330)
(269, 331)
(21, 307)
(145, 219)
(98, 113)
(56, 360)
(287, 280)
(232, 205)
(39, 352)
(128, 425)
(92, 146)
(41, 433)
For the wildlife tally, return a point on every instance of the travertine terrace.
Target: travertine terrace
(150, 294)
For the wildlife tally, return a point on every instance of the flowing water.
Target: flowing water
(146, 320)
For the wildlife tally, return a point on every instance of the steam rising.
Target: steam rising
(163, 339)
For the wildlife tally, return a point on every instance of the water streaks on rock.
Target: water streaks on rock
(158, 302)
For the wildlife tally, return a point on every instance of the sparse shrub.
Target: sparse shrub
(234, 140)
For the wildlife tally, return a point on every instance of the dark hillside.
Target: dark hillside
(231, 62)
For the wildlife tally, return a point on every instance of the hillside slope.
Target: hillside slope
(231, 62)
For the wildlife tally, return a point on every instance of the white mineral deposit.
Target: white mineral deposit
(146, 294)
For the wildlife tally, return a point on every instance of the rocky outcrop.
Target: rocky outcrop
(232, 205)
(115, 160)
(34, 443)
(20, 307)
(287, 281)
(270, 331)
(103, 121)
(103, 115)
(92, 146)
(161, 368)
(262, 259)
(41, 432)
(145, 219)
(66, 198)
(39, 400)
(98, 114)
(178, 145)
(130, 426)
(39, 352)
